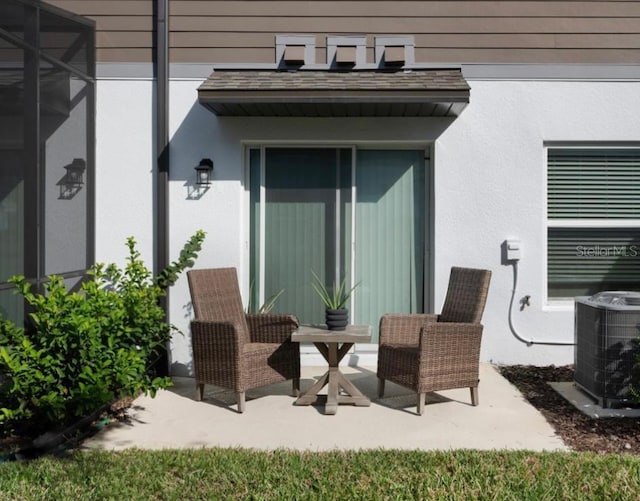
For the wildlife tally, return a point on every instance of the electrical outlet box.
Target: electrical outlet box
(514, 251)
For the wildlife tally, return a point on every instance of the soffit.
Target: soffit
(430, 92)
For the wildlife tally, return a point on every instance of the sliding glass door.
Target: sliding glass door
(303, 221)
(390, 233)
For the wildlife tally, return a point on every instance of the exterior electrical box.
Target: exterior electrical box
(513, 250)
(607, 330)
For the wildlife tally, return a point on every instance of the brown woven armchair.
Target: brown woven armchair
(437, 352)
(235, 350)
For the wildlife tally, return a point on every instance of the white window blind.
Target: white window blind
(587, 187)
(594, 183)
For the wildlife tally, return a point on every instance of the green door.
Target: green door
(307, 223)
(390, 233)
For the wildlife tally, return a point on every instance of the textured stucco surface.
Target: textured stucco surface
(488, 180)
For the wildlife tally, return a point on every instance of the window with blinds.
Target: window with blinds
(593, 215)
(594, 184)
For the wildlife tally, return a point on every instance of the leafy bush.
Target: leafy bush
(85, 349)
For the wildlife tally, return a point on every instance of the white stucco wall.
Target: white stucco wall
(221, 211)
(489, 185)
(125, 162)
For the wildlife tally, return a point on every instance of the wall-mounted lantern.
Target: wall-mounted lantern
(203, 172)
(75, 172)
(73, 180)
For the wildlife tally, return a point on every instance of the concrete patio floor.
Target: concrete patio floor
(174, 419)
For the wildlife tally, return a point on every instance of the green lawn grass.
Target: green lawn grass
(382, 474)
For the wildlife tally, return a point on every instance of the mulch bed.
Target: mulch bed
(579, 431)
(61, 441)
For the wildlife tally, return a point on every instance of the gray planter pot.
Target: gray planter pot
(337, 320)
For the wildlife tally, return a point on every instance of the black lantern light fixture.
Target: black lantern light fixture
(75, 172)
(203, 172)
(71, 183)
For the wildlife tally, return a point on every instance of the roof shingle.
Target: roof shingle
(438, 79)
(312, 93)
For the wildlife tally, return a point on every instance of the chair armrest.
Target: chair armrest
(217, 353)
(399, 328)
(268, 328)
(215, 338)
(457, 342)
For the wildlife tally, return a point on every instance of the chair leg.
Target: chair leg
(296, 387)
(199, 391)
(240, 399)
(380, 387)
(474, 396)
(421, 398)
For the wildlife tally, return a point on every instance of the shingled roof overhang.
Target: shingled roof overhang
(415, 93)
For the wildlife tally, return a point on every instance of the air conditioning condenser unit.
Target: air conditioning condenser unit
(607, 330)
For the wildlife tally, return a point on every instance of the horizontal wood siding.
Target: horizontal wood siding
(444, 31)
(234, 31)
(124, 28)
(394, 8)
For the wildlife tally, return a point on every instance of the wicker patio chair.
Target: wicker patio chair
(437, 352)
(235, 350)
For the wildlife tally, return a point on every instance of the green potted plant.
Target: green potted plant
(334, 299)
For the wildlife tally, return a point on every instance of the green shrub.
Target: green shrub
(84, 349)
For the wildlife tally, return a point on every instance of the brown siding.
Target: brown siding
(124, 28)
(233, 31)
(445, 31)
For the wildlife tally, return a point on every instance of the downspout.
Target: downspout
(162, 155)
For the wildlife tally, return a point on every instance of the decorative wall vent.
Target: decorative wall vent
(395, 51)
(345, 55)
(295, 50)
(293, 54)
(394, 55)
(346, 51)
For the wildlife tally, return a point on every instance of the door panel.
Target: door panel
(389, 233)
(308, 217)
(300, 227)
